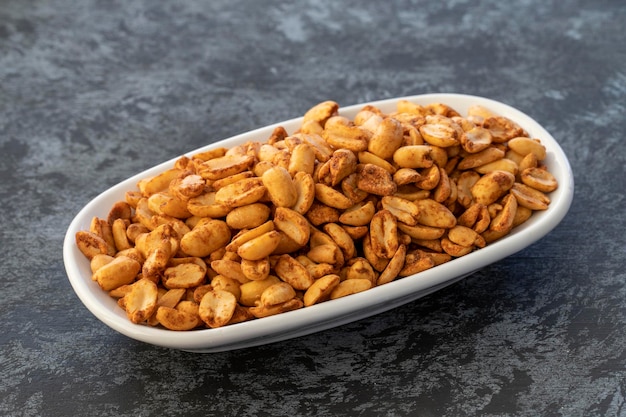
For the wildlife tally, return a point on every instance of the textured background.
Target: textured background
(93, 92)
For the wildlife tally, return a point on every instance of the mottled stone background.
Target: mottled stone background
(92, 92)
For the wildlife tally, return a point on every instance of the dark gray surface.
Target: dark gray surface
(93, 92)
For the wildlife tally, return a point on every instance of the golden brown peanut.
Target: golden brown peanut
(331, 197)
(217, 308)
(210, 154)
(163, 203)
(225, 166)
(280, 186)
(248, 217)
(241, 314)
(503, 221)
(99, 261)
(231, 179)
(285, 245)
(502, 129)
(415, 262)
(440, 109)
(321, 112)
(405, 106)
(492, 186)
(524, 146)
(267, 152)
(529, 161)
(320, 213)
(293, 272)
(465, 236)
(476, 139)
(205, 205)
(405, 176)
(350, 189)
(454, 249)
(206, 238)
(224, 283)
(266, 311)
(302, 159)
(156, 262)
(120, 271)
(386, 139)
(135, 229)
(342, 239)
(246, 235)
(103, 229)
(539, 179)
(159, 182)
(422, 232)
(414, 156)
(394, 266)
(439, 134)
(529, 197)
(464, 184)
(174, 319)
(476, 216)
(384, 234)
(187, 187)
(230, 269)
(186, 275)
(140, 302)
(521, 215)
(360, 268)
(293, 224)
(90, 244)
(118, 229)
(278, 293)
(241, 193)
(375, 180)
(434, 214)
(255, 270)
(430, 178)
(445, 188)
(341, 164)
(359, 214)
(355, 232)
(322, 150)
(320, 290)
(251, 291)
(405, 211)
(341, 133)
(328, 253)
(132, 253)
(317, 270)
(305, 191)
(503, 164)
(483, 157)
(350, 286)
(260, 247)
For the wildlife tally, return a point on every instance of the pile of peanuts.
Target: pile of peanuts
(337, 207)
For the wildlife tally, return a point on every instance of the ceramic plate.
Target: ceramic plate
(335, 312)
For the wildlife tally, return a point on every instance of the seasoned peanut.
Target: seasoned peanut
(280, 187)
(320, 289)
(120, 271)
(206, 238)
(217, 307)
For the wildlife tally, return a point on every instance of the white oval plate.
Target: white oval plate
(335, 312)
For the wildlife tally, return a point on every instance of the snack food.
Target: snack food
(357, 217)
